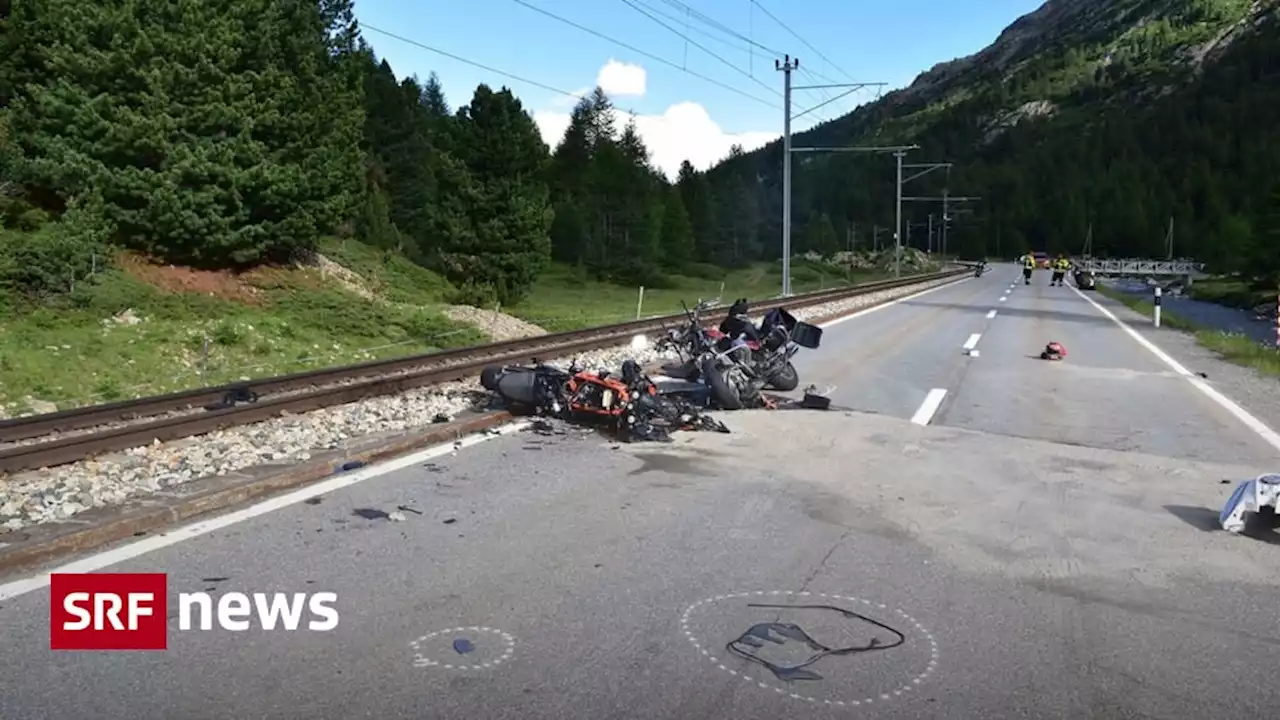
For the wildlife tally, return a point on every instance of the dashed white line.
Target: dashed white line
(1004, 298)
(930, 406)
(972, 342)
(991, 314)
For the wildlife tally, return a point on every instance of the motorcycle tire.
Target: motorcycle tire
(785, 379)
(723, 392)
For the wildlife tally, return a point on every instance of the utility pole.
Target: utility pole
(897, 232)
(786, 67)
(925, 169)
(930, 233)
(947, 199)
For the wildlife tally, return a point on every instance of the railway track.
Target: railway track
(76, 434)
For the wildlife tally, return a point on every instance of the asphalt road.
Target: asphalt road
(1043, 546)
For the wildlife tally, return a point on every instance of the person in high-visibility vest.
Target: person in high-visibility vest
(1028, 267)
(1060, 268)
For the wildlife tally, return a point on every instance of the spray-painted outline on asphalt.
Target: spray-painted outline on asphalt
(889, 695)
(422, 661)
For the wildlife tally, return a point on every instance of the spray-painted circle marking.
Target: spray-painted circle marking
(870, 700)
(420, 658)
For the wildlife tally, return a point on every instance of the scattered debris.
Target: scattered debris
(406, 508)
(396, 516)
(450, 521)
(463, 646)
(1259, 495)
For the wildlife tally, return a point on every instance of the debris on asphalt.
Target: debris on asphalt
(1256, 496)
(450, 521)
(396, 516)
(371, 514)
(463, 646)
(406, 508)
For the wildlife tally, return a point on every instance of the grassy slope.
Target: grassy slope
(563, 300)
(207, 328)
(1231, 347)
(210, 328)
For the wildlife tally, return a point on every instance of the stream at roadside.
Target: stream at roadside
(1205, 314)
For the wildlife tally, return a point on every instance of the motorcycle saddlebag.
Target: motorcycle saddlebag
(806, 335)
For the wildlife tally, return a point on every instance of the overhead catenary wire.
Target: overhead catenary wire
(645, 53)
(737, 69)
(804, 42)
(739, 42)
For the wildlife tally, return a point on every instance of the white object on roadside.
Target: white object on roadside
(1249, 497)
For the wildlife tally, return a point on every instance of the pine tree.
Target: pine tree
(503, 242)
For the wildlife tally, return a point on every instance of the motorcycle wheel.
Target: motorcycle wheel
(723, 391)
(785, 379)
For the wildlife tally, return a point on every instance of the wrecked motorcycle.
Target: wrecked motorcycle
(632, 405)
(746, 358)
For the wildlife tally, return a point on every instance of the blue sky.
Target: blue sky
(864, 41)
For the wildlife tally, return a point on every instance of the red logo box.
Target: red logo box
(108, 611)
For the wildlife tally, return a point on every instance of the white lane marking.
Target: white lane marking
(1251, 422)
(1004, 298)
(991, 314)
(972, 342)
(929, 406)
(866, 311)
(974, 353)
(118, 555)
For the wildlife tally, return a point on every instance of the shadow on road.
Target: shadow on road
(1019, 312)
(1257, 527)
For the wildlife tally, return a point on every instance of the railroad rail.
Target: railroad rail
(76, 434)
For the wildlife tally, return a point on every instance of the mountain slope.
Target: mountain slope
(1117, 115)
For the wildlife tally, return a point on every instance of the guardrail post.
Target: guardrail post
(1157, 306)
(640, 302)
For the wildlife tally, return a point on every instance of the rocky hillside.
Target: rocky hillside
(1115, 114)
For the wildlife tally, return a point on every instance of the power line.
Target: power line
(718, 25)
(673, 16)
(649, 55)
(472, 63)
(804, 42)
(744, 73)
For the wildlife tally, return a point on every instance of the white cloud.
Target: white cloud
(684, 132)
(619, 79)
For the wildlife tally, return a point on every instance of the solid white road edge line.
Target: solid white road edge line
(867, 311)
(1251, 422)
(118, 555)
(991, 314)
(972, 342)
(930, 406)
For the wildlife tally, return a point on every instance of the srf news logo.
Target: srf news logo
(130, 611)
